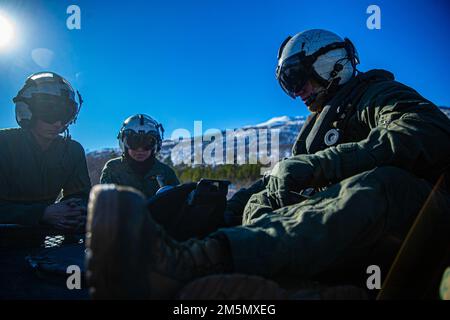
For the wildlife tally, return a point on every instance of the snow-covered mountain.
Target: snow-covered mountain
(249, 144)
(278, 122)
(243, 145)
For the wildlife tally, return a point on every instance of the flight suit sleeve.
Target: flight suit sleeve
(236, 204)
(24, 214)
(78, 184)
(410, 135)
(107, 175)
(18, 213)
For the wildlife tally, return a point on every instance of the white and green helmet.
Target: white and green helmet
(318, 54)
(141, 131)
(49, 97)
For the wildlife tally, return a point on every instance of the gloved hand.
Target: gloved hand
(235, 206)
(287, 179)
(231, 218)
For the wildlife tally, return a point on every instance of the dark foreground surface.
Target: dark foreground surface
(33, 264)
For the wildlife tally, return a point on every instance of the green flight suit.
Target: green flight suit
(118, 171)
(31, 179)
(395, 146)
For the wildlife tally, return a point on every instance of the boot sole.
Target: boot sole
(116, 267)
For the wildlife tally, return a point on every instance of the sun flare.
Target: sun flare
(6, 31)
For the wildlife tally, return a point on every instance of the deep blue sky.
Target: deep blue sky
(209, 60)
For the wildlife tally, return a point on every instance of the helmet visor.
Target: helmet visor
(51, 109)
(293, 75)
(135, 141)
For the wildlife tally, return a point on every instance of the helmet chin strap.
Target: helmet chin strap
(316, 100)
(66, 132)
(313, 97)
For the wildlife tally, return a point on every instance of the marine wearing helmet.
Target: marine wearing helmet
(37, 163)
(140, 139)
(362, 168)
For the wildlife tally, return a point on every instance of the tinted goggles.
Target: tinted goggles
(134, 141)
(293, 74)
(51, 110)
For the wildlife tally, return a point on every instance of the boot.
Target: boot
(129, 256)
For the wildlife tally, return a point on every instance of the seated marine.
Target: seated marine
(362, 168)
(37, 164)
(140, 140)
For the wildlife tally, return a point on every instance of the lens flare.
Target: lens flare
(6, 31)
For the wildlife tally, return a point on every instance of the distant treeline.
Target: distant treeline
(237, 174)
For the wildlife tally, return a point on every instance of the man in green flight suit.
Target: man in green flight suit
(362, 168)
(140, 140)
(37, 164)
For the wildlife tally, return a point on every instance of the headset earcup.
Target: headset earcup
(158, 149)
(351, 50)
(119, 137)
(23, 114)
(160, 129)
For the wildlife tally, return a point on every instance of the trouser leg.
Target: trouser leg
(307, 238)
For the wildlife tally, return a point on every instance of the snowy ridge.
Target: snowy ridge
(279, 122)
(288, 128)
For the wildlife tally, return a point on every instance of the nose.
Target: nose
(300, 92)
(58, 124)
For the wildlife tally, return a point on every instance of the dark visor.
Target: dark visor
(293, 74)
(51, 109)
(134, 141)
(295, 71)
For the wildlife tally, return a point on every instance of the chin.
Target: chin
(51, 136)
(141, 159)
(312, 108)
